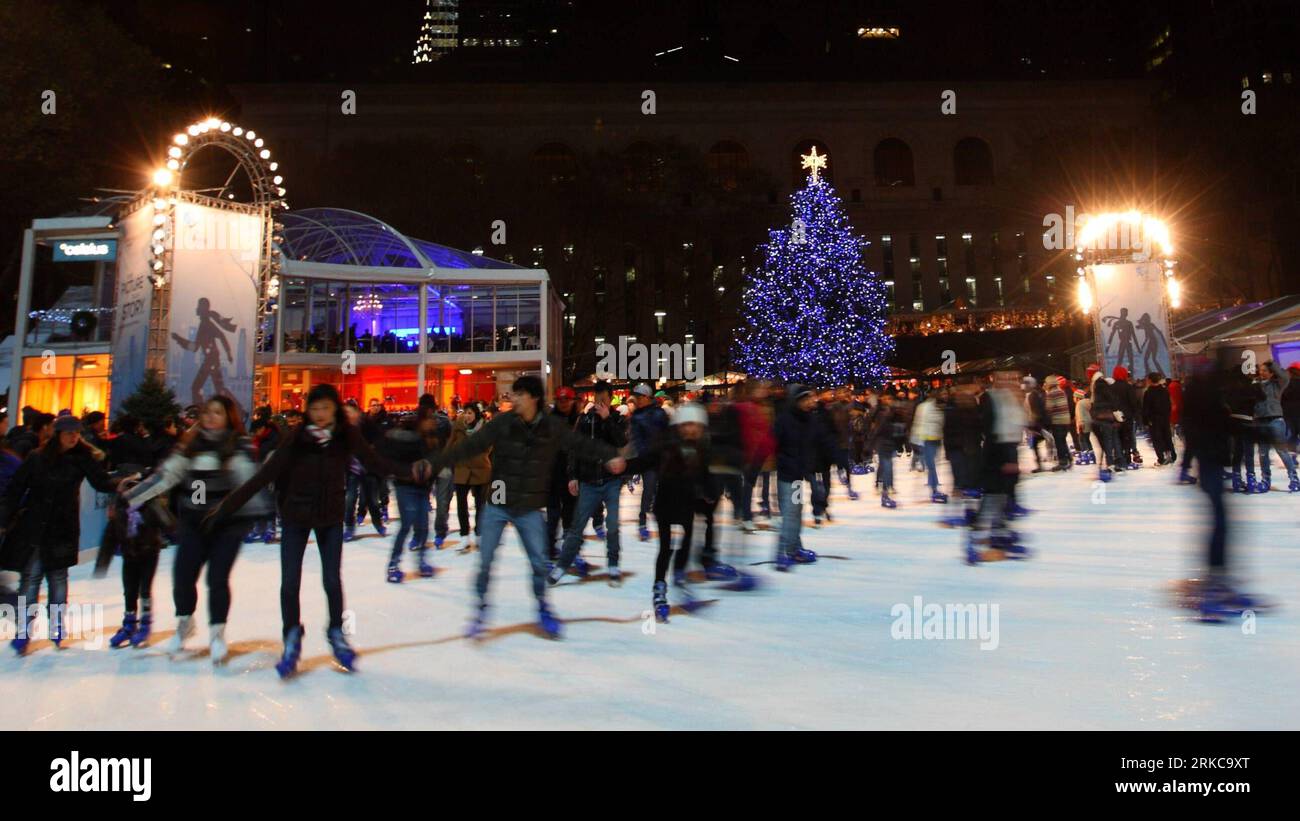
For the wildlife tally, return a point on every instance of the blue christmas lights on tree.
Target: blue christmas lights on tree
(811, 312)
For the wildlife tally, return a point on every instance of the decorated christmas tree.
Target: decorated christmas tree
(152, 402)
(812, 313)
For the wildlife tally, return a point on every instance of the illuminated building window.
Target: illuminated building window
(72, 382)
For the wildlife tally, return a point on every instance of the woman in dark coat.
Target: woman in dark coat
(40, 519)
(309, 471)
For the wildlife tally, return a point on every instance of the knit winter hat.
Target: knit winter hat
(67, 423)
(1063, 383)
(690, 412)
(1120, 372)
(1093, 369)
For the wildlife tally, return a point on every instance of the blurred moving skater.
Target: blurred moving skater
(210, 460)
(525, 441)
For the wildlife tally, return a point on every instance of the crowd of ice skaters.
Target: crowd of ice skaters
(210, 483)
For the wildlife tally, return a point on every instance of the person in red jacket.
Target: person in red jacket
(1176, 423)
(758, 441)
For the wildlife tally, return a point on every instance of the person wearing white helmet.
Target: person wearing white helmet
(681, 459)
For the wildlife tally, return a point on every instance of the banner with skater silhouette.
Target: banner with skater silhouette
(133, 301)
(1131, 317)
(213, 304)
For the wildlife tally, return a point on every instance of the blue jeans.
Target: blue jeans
(931, 450)
(790, 504)
(441, 490)
(1272, 436)
(1108, 433)
(531, 527)
(413, 505)
(591, 495)
(30, 588)
(356, 493)
(885, 473)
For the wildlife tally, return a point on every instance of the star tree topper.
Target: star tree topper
(814, 162)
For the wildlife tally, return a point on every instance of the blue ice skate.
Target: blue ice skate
(288, 663)
(124, 633)
(343, 652)
(546, 620)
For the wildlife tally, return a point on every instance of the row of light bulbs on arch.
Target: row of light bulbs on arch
(164, 178)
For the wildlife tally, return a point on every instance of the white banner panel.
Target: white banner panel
(1131, 321)
(134, 291)
(214, 304)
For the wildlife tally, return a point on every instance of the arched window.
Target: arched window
(972, 162)
(556, 163)
(805, 148)
(642, 167)
(727, 162)
(892, 161)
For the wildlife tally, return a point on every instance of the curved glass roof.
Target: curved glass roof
(338, 236)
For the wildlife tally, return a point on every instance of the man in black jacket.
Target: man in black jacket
(1208, 427)
(525, 441)
(648, 422)
(594, 485)
(1126, 402)
(1105, 420)
(1155, 415)
(796, 455)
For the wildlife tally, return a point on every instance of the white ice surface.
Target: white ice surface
(1088, 638)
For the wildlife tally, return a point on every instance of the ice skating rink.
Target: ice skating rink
(1087, 637)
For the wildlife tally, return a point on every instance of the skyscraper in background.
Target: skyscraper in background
(438, 30)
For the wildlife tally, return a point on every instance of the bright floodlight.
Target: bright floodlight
(1128, 230)
(1085, 296)
(162, 176)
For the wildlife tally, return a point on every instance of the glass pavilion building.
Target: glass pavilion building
(380, 315)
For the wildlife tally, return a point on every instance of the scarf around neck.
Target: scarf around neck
(320, 436)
